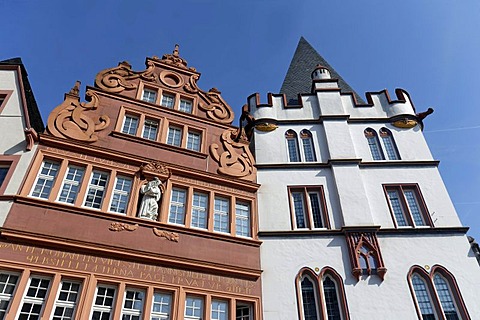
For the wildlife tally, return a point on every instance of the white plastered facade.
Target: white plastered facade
(354, 189)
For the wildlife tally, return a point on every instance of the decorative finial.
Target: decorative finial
(76, 89)
(175, 51)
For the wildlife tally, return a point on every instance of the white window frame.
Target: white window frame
(46, 178)
(90, 186)
(133, 311)
(8, 296)
(71, 184)
(194, 307)
(242, 219)
(129, 128)
(219, 303)
(35, 300)
(121, 193)
(171, 139)
(168, 101)
(220, 215)
(178, 205)
(152, 123)
(198, 210)
(159, 314)
(146, 98)
(65, 303)
(103, 308)
(183, 103)
(244, 306)
(194, 140)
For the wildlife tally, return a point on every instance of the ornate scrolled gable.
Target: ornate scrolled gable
(172, 73)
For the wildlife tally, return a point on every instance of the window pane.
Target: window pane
(177, 207)
(199, 210)
(397, 208)
(121, 194)
(133, 304)
(130, 125)
(308, 149)
(293, 150)
(193, 307)
(193, 141)
(445, 296)
(331, 299)
(299, 209)
(161, 306)
(149, 95)
(316, 209)
(34, 299)
(168, 101)
(45, 179)
(96, 190)
(221, 220)
(8, 283)
(374, 144)
(242, 219)
(66, 301)
(423, 298)
(390, 147)
(243, 312)
(219, 310)
(185, 106)
(174, 136)
(150, 130)
(309, 302)
(3, 174)
(414, 209)
(71, 184)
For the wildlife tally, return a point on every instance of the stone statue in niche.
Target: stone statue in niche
(152, 192)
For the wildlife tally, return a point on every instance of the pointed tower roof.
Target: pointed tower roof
(298, 78)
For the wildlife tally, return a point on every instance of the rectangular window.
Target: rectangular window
(185, 106)
(168, 101)
(34, 299)
(120, 195)
(133, 304)
(3, 173)
(66, 302)
(242, 219)
(193, 308)
(96, 190)
(219, 310)
(161, 306)
(193, 141)
(130, 125)
(308, 149)
(8, 283)
(150, 129)
(199, 210)
(174, 136)
(149, 95)
(309, 209)
(177, 206)
(293, 149)
(243, 311)
(103, 305)
(407, 206)
(46, 178)
(221, 220)
(71, 184)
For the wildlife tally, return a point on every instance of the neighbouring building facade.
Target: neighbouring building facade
(137, 204)
(354, 218)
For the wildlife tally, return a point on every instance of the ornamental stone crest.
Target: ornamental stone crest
(69, 119)
(120, 78)
(237, 160)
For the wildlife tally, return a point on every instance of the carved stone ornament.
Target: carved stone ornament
(155, 168)
(70, 120)
(237, 161)
(152, 193)
(174, 59)
(217, 109)
(171, 236)
(31, 136)
(119, 78)
(405, 123)
(119, 226)
(365, 255)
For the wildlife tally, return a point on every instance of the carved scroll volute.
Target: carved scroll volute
(216, 108)
(68, 120)
(236, 160)
(120, 78)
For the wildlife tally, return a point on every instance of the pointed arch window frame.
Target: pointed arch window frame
(308, 146)
(291, 139)
(389, 144)
(428, 278)
(374, 145)
(318, 279)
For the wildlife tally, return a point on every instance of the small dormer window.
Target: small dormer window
(185, 106)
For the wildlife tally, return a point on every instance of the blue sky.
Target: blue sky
(429, 48)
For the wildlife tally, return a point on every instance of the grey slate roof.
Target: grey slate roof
(33, 113)
(298, 78)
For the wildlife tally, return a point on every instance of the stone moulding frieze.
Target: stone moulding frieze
(69, 119)
(119, 226)
(237, 160)
(119, 78)
(171, 236)
(155, 168)
(204, 184)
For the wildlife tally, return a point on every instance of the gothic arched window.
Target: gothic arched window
(374, 144)
(292, 146)
(389, 144)
(307, 144)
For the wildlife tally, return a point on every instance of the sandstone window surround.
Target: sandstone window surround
(179, 101)
(308, 208)
(387, 147)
